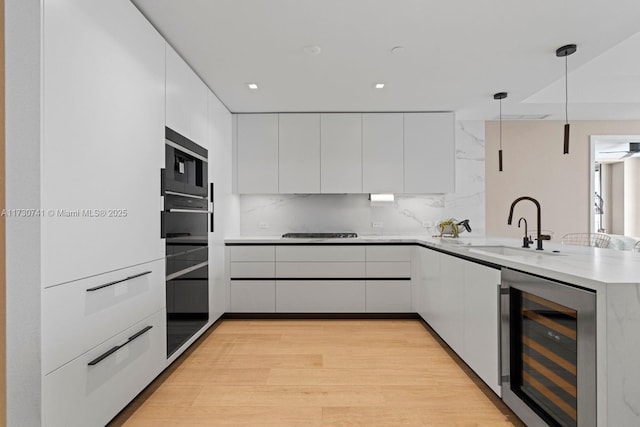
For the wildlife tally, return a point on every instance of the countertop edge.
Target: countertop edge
(461, 247)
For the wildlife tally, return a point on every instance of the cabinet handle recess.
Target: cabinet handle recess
(115, 282)
(118, 347)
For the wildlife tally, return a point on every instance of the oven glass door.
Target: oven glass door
(544, 366)
(187, 277)
(187, 306)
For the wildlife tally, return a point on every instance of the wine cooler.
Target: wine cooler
(548, 351)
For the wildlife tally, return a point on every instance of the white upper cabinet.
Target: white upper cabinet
(429, 152)
(299, 153)
(186, 100)
(345, 153)
(382, 153)
(103, 113)
(341, 153)
(257, 145)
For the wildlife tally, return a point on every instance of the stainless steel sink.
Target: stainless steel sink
(514, 252)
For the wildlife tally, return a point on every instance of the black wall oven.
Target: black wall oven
(185, 222)
(548, 351)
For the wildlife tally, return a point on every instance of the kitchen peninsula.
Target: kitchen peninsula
(614, 277)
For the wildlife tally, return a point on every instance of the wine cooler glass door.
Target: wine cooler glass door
(549, 351)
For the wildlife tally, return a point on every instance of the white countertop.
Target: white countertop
(584, 266)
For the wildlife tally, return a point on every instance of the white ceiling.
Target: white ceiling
(457, 54)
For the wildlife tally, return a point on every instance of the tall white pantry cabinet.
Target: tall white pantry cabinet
(99, 335)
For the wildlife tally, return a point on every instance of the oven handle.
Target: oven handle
(191, 196)
(188, 211)
(503, 355)
(184, 271)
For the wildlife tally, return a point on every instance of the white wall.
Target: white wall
(535, 166)
(353, 212)
(23, 65)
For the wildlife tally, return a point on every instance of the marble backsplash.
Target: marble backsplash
(269, 215)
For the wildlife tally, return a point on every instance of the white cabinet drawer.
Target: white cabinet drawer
(80, 315)
(320, 296)
(342, 253)
(389, 253)
(252, 253)
(79, 394)
(388, 296)
(335, 270)
(243, 270)
(389, 269)
(253, 296)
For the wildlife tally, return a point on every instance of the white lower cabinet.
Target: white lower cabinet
(246, 262)
(91, 389)
(252, 296)
(388, 296)
(428, 285)
(459, 300)
(450, 302)
(396, 269)
(320, 269)
(320, 296)
(78, 316)
(250, 269)
(481, 346)
(320, 253)
(320, 279)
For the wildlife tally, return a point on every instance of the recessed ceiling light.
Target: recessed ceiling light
(252, 86)
(397, 50)
(379, 85)
(312, 50)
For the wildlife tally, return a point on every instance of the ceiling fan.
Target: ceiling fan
(634, 148)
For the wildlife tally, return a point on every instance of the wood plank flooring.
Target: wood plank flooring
(318, 373)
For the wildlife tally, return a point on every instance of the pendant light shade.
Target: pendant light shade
(565, 51)
(500, 96)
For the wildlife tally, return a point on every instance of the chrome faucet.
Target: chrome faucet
(526, 240)
(541, 236)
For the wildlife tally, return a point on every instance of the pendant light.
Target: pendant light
(565, 51)
(500, 96)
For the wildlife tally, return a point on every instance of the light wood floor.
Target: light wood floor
(318, 373)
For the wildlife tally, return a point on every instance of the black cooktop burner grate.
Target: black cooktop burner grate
(319, 235)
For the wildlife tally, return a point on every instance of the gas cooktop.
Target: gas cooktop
(319, 235)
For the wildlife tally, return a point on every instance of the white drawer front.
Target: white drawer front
(389, 269)
(336, 270)
(76, 319)
(388, 253)
(328, 253)
(252, 253)
(318, 296)
(243, 270)
(81, 395)
(253, 296)
(388, 296)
